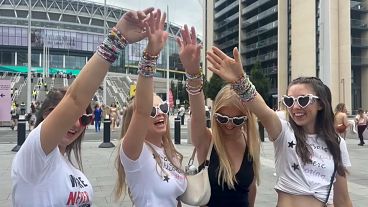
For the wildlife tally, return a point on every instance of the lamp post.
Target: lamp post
(29, 58)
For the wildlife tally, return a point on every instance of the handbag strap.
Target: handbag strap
(331, 182)
(191, 159)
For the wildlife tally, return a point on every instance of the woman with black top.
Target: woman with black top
(234, 161)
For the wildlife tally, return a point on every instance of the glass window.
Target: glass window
(35, 60)
(11, 31)
(22, 58)
(90, 38)
(5, 31)
(24, 42)
(5, 40)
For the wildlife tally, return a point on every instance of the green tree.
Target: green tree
(213, 86)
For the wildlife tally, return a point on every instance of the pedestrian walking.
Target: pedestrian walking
(341, 120)
(97, 117)
(310, 158)
(147, 162)
(44, 173)
(233, 167)
(361, 120)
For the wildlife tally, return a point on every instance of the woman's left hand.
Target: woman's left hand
(155, 32)
(227, 68)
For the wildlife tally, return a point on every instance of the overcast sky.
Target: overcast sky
(180, 11)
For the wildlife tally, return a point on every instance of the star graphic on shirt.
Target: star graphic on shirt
(291, 144)
(166, 178)
(295, 166)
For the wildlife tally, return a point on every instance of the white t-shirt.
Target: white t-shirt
(47, 180)
(314, 178)
(147, 186)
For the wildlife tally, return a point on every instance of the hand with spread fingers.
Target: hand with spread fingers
(132, 25)
(155, 32)
(227, 68)
(189, 51)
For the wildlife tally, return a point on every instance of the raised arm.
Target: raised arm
(231, 70)
(190, 57)
(137, 130)
(128, 29)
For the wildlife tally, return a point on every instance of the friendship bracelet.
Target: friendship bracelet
(193, 77)
(147, 68)
(244, 88)
(148, 56)
(194, 90)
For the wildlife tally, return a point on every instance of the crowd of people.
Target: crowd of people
(311, 156)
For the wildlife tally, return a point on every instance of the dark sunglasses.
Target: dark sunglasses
(236, 120)
(86, 119)
(163, 107)
(303, 101)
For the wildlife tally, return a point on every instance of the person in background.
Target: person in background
(44, 173)
(147, 161)
(233, 140)
(341, 120)
(97, 112)
(361, 121)
(311, 160)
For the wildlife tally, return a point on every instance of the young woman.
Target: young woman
(42, 171)
(148, 162)
(234, 161)
(307, 148)
(341, 120)
(361, 122)
(113, 116)
(97, 112)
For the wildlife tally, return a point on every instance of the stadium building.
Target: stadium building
(65, 35)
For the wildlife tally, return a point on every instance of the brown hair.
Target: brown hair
(324, 124)
(52, 99)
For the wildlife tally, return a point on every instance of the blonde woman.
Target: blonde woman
(148, 163)
(234, 162)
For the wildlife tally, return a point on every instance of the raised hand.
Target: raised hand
(189, 51)
(155, 32)
(227, 68)
(131, 25)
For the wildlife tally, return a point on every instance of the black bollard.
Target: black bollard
(21, 134)
(177, 130)
(106, 135)
(208, 123)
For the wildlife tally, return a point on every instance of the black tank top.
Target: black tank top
(230, 197)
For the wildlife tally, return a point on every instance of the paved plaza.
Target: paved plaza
(99, 168)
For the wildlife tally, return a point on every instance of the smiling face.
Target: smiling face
(304, 117)
(159, 122)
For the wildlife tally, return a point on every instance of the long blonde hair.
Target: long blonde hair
(169, 148)
(228, 98)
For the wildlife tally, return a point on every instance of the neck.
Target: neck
(155, 140)
(62, 149)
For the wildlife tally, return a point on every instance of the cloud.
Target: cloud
(181, 12)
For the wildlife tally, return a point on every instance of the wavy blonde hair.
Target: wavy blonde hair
(169, 148)
(228, 98)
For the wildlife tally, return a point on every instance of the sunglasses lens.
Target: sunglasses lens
(85, 120)
(288, 101)
(221, 119)
(164, 107)
(153, 112)
(238, 120)
(303, 101)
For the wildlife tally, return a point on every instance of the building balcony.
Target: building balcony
(219, 3)
(260, 16)
(226, 21)
(253, 6)
(359, 61)
(260, 30)
(226, 9)
(232, 42)
(260, 44)
(359, 24)
(227, 32)
(358, 6)
(359, 42)
(261, 58)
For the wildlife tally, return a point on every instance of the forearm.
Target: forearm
(252, 194)
(144, 95)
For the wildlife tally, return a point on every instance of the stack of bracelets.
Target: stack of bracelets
(147, 65)
(194, 90)
(112, 45)
(244, 88)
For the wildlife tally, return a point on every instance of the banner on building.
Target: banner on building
(5, 100)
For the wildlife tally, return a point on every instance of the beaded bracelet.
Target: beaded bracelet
(193, 77)
(147, 67)
(148, 56)
(112, 45)
(194, 90)
(244, 88)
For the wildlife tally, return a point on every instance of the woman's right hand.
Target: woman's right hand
(155, 32)
(227, 68)
(189, 50)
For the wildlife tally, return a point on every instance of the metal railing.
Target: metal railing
(262, 43)
(260, 16)
(261, 58)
